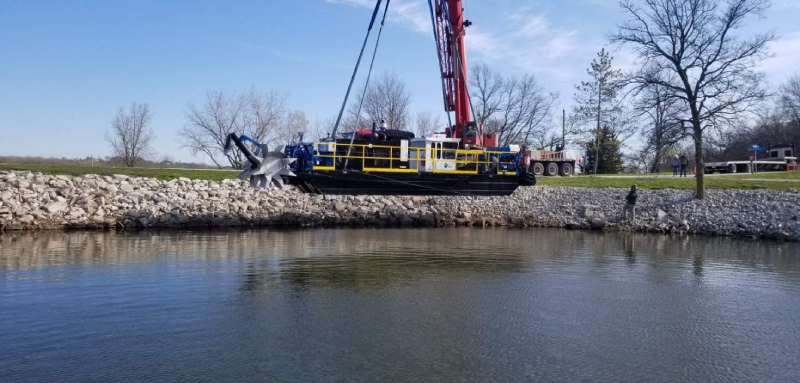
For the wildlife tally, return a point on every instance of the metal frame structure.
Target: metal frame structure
(466, 161)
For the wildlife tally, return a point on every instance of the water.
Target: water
(449, 305)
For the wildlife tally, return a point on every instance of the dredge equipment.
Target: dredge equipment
(461, 160)
(262, 167)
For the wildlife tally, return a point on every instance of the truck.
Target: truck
(548, 163)
(780, 157)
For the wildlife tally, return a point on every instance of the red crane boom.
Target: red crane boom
(449, 31)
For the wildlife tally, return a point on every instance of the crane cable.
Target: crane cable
(355, 70)
(366, 84)
(441, 68)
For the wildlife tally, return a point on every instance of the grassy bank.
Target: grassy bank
(162, 174)
(773, 180)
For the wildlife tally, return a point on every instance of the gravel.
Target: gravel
(33, 201)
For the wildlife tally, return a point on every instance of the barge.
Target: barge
(461, 160)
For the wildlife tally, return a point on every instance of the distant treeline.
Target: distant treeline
(103, 162)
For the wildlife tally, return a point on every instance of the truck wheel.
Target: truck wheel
(732, 168)
(566, 169)
(551, 169)
(537, 169)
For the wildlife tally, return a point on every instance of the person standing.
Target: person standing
(684, 164)
(676, 163)
(630, 204)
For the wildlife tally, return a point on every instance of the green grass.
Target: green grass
(162, 174)
(785, 181)
(739, 181)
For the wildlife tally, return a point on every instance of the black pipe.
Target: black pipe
(254, 161)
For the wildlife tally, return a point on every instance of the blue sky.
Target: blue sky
(66, 66)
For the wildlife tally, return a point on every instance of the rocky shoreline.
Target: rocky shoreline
(32, 201)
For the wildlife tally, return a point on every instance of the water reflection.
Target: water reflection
(396, 305)
(481, 249)
(371, 258)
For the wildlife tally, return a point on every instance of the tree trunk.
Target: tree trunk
(656, 166)
(699, 162)
(599, 109)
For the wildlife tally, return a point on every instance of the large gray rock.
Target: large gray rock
(598, 223)
(169, 203)
(56, 207)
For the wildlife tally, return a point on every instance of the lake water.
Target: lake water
(447, 305)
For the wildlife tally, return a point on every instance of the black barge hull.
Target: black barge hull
(363, 183)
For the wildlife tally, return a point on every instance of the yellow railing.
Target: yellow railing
(454, 161)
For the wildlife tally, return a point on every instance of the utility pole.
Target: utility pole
(597, 135)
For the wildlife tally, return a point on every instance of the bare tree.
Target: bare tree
(263, 113)
(486, 90)
(518, 109)
(689, 48)
(387, 98)
(428, 123)
(253, 114)
(320, 129)
(130, 136)
(790, 99)
(294, 124)
(664, 126)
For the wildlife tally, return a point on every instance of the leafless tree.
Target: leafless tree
(518, 109)
(428, 123)
(294, 124)
(387, 98)
(664, 125)
(253, 114)
(790, 99)
(689, 48)
(486, 90)
(320, 129)
(130, 136)
(263, 113)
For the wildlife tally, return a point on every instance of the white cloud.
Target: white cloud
(787, 4)
(410, 13)
(525, 40)
(528, 41)
(298, 58)
(786, 52)
(535, 26)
